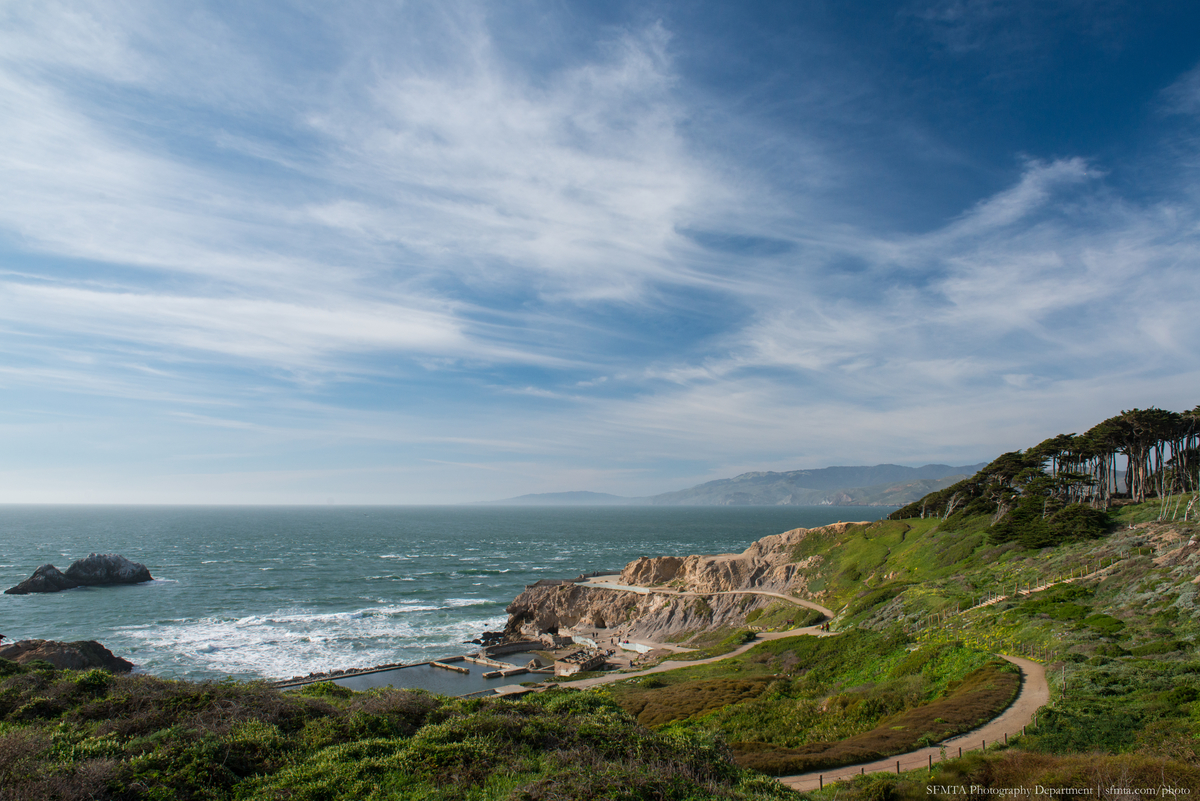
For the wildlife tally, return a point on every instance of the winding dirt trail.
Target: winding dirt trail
(1033, 695)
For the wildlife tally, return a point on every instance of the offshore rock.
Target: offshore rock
(82, 655)
(107, 568)
(46, 578)
(95, 570)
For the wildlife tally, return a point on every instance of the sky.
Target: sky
(444, 252)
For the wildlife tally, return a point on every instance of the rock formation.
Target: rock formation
(107, 568)
(96, 570)
(46, 578)
(82, 655)
(652, 616)
(768, 565)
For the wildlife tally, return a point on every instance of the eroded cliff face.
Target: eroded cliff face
(653, 616)
(765, 566)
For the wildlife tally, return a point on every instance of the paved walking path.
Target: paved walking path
(1034, 694)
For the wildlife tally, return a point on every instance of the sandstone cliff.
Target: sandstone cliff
(652, 616)
(765, 566)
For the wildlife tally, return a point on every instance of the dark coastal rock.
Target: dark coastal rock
(107, 568)
(46, 578)
(96, 570)
(82, 655)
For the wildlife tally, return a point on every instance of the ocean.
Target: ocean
(275, 592)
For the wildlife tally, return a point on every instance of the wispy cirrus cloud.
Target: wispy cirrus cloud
(429, 173)
(436, 234)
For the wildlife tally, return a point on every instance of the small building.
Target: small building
(579, 661)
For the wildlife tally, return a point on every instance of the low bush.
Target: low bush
(657, 704)
(1160, 647)
(1104, 625)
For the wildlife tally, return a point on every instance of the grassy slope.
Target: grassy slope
(804, 702)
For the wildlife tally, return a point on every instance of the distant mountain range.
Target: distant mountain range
(880, 485)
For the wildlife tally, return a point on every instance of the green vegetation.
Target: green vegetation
(65, 734)
(806, 702)
(1056, 492)
(783, 616)
(714, 642)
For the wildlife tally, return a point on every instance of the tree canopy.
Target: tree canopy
(1060, 488)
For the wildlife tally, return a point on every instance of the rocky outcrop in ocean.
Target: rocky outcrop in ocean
(46, 578)
(97, 569)
(82, 655)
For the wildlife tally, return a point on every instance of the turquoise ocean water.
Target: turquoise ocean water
(274, 592)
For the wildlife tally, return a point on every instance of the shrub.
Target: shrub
(1078, 522)
(1105, 625)
(1161, 647)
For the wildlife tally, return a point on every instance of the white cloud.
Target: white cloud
(266, 330)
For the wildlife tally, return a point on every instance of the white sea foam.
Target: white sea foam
(455, 603)
(288, 645)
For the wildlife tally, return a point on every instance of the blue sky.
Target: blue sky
(388, 252)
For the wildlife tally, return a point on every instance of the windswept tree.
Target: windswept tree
(1059, 488)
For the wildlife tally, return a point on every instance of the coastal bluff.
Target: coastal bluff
(677, 597)
(92, 571)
